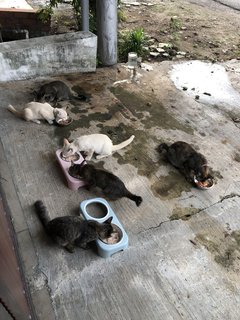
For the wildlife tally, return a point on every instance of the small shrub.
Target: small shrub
(175, 24)
(131, 41)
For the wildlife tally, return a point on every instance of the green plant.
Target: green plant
(175, 24)
(131, 41)
(44, 14)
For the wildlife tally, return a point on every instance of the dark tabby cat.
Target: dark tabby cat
(111, 185)
(70, 231)
(190, 163)
(55, 91)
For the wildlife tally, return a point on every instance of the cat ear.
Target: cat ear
(65, 142)
(66, 107)
(109, 220)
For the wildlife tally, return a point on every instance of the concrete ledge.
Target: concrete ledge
(50, 55)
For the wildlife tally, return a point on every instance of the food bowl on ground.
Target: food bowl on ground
(62, 122)
(204, 185)
(74, 157)
(115, 237)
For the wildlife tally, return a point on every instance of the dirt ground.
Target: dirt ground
(208, 33)
(202, 32)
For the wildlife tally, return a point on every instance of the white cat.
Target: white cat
(34, 111)
(98, 143)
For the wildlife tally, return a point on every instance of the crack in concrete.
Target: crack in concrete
(154, 227)
(229, 196)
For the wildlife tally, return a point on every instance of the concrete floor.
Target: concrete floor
(183, 255)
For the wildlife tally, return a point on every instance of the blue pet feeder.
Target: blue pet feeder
(99, 210)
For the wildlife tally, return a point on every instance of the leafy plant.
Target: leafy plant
(175, 24)
(131, 41)
(44, 14)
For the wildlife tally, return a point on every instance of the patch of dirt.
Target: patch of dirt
(202, 32)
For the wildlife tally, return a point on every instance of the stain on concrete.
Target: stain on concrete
(170, 186)
(136, 153)
(216, 174)
(84, 121)
(225, 250)
(158, 115)
(183, 213)
(237, 157)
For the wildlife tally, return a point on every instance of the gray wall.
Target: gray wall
(50, 55)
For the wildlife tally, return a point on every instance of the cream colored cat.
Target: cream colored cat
(98, 143)
(35, 111)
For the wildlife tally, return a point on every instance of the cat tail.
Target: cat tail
(137, 199)
(42, 212)
(162, 147)
(123, 144)
(16, 112)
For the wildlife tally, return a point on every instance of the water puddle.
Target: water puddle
(206, 82)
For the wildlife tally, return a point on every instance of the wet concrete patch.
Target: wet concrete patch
(170, 186)
(158, 115)
(225, 250)
(136, 154)
(84, 121)
(183, 213)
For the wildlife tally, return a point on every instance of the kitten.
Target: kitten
(55, 91)
(111, 185)
(190, 163)
(70, 231)
(34, 111)
(98, 143)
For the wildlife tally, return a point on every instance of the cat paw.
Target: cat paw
(101, 156)
(50, 122)
(88, 158)
(37, 121)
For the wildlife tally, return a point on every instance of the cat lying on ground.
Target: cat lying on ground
(55, 91)
(35, 111)
(70, 231)
(111, 185)
(98, 143)
(192, 164)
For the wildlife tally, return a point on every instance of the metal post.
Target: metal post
(107, 31)
(85, 15)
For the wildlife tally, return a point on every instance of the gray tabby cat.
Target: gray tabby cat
(55, 91)
(70, 231)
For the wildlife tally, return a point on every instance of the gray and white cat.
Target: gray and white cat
(98, 143)
(70, 231)
(35, 111)
(55, 91)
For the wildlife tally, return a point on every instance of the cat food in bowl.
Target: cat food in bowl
(204, 185)
(63, 123)
(74, 157)
(115, 237)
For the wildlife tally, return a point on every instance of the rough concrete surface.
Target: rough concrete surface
(183, 255)
(47, 56)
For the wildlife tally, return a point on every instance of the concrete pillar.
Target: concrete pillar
(107, 31)
(85, 14)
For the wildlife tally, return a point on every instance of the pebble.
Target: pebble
(154, 54)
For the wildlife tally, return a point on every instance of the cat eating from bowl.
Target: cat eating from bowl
(192, 164)
(36, 111)
(93, 143)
